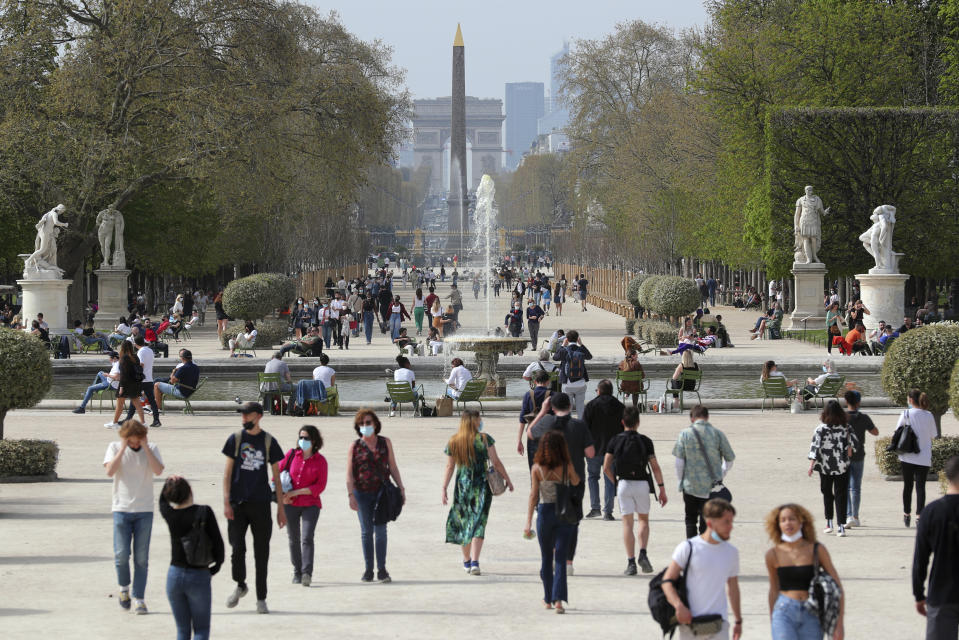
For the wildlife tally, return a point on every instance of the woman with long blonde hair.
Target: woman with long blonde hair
(470, 452)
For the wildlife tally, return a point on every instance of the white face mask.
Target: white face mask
(791, 538)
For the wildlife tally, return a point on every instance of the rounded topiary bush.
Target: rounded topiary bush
(630, 326)
(257, 296)
(942, 449)
(674, 296)
(28, 457)
(922, 358)
(645, 291)
(632, 289)
(269, 332)
(659, 334)
(25, 371)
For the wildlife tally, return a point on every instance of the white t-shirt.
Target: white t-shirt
(145, 354)
(711, 566)
(775, 374)
(459, 376)
(115, 371)
(324, 374)
(404, 375)
(123, 329)
(924, 425)
(533, 368)
(133, 481)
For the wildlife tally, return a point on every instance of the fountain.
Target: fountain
(487, 348)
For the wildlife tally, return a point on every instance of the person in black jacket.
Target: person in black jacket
(603, 415)
(937, 533)
(188, 585)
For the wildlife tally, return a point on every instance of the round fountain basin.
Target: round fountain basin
(487, 344)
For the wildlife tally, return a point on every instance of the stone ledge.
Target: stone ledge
(49, 477)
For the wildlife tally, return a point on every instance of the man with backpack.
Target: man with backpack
(604, 417)
(532, 403)
(630, 462)
(573, 377)
(246, 499)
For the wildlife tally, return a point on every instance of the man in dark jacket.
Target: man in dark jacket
(603, 415)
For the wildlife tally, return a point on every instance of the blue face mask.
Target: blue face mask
(715, 536)
(480, 427)
(825, 369)
(306, 444)
(367, 430)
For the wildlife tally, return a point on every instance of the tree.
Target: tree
(538, 193)
(25, 371)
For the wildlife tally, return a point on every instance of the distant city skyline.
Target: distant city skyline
(505, 41)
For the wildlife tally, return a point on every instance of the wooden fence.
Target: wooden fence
(313, 283)
(607, 287)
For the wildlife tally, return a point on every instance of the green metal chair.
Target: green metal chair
(632, 376)
(187, 407)
(472, 392)
(112, 394)
(86, 347)
(249, 347)
(830, 388)
(328, 407)
(402, 393)
(275, 388)
(773, 388)
(688, 374)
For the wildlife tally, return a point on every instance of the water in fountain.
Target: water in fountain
(484, 219)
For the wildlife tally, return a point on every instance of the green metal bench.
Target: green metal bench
(688, 374)
(402, 393)
(773, 388)
(472, 392)
(828, 390)
(632, 376)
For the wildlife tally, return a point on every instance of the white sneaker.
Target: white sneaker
(392, 414)
(842, 532)
(828, 528)
(853, 522)
(112, 425)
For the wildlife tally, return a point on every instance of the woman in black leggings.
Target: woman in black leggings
(915, 466)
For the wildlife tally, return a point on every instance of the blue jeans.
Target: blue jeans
(855, 488)
(366, 502)
(132, 530)
(368, 325)
(594, 469)
(553, 537)
(188, 591)
(791, 621)
(395, 321)
(327, 333)
(101, 384)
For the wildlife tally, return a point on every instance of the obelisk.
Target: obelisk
(458, 220)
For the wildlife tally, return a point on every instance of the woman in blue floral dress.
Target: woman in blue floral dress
(469, 453)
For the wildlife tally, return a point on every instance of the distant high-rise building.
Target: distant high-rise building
(557, 117)
(524, 107)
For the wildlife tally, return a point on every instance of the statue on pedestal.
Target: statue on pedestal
(110, 232)
(807, 227)
(877, 240)
(42, 263)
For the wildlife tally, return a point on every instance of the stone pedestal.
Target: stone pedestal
(487, 369)
(48, 297)
(884, 295)
(111, 297)
(809, 286)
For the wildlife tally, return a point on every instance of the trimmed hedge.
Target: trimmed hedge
(645, 291)
(25, 371)
(268, 333)
(255, 297)
(632, 289)
(630, 326)
(953, 388)
(942, 449)
(28, 457)
(674, 297)
(659, 334)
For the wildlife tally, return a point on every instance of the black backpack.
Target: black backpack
(63, 348)
(197, 546)
(631, 460)
(659, 607)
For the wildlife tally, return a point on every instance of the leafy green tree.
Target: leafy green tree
(25, 371)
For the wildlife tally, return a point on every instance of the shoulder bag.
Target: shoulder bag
(566, 510)
(495, 480)
(719, 490)
(904, 440)
(824, 596)
(389, 500)
(197, 546)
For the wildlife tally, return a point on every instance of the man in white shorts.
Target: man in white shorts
(629, 461)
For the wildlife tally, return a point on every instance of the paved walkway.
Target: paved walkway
(56, 570)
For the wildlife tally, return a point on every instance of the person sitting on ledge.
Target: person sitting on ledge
(722, 334)
(310, 345)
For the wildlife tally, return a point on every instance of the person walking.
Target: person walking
(246, 499)
(573, 376)
(513, 321)
(369, 314)
(469, 453)
(710, 565)
(628, 460)
(188, 585)
(553, 467)
(604, 418)
(534, 313)
(582, 284)
(307, 469)
(397, 313)
(580, 444)
(132, 462)
(936, 534)
(369, 463)
(532, 403)
(145, 356)
(559, 296)
(791, 564)
(131, 375)
(419, 310)
(915, 466)
(703, 458)
(830, 454)
(861, 424)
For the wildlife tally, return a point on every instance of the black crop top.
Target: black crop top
(795, 578)
(180, 521)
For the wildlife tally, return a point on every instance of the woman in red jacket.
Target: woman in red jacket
(307, 471)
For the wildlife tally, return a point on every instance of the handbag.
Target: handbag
(566, 510)
(904, 440)
(389, 502)
(495, 480)
(722, 492)
(286, 480)
(197, 546)
(824, 596)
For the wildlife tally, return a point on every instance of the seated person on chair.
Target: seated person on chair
(120, 332)
(325, 373)
(150, 336)
(631, 363)
(403, 341)
(888, 335)
(88, 335)
(760, 327)
(710, 339)
(874, 336)
(687, 363)
(311, 343)
(39, 332)
(770, 370)
(243, 340)
(276, 365)
(722, 333)
(404, 373)
(814, 384)
(855, 341)
(459, 376)
(182, 383)
(435, 341)
(104, 380)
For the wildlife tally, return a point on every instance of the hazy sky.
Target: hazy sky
(506, 40)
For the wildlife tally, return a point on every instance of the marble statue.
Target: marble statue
(110, 232)
(43, 261)
(877, 240)
(807, 227)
